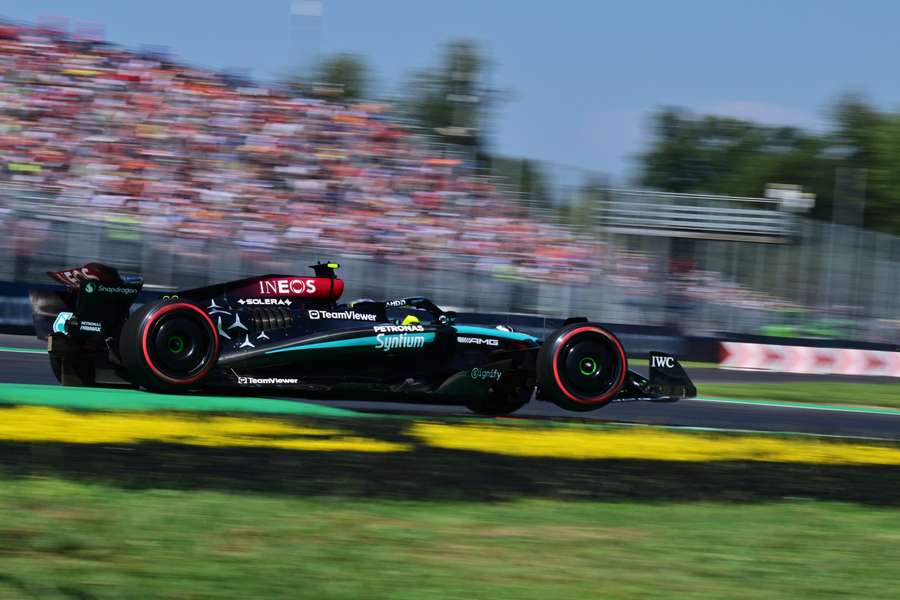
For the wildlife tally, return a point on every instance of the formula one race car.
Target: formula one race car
(288, 334)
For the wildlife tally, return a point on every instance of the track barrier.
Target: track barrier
(809, 360)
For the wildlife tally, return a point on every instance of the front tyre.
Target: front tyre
(169, 345)
(581, 367)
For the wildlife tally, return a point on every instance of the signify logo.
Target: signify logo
(403, 341)
(485, 374)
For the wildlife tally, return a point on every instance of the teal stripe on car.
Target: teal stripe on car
(497, 333)
(350, 343)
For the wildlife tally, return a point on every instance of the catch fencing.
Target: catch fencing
(823, 280)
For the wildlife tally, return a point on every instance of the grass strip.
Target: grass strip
(864, 394)
(127, 399)
(73, 540)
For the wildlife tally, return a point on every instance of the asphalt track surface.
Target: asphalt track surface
(31, 367)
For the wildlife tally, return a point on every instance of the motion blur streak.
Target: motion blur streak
(650, 444)
(38, 424)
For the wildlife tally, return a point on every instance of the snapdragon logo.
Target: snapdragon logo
(485, 374)
(115, 290)
(403, 340)
(265, 380)
(348, 315)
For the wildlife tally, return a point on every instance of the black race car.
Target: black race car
(288, 334)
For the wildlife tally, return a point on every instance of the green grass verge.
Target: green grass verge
(68, 540)
(866, 394)
(128, 399)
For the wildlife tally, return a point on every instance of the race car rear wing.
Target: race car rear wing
(96, 301)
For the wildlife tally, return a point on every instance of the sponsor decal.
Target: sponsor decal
(91, 326)
(347, 315)
(485, 374)
(395, 303)
(215, 309)
(288, 286)
(398, 328)
(662, 361)
(75, 276)
(169, 296)
(478, 341)
(89, 287)
(112, 290)
(265, 380)
(264, 302)
(401, 341)
(59, 325)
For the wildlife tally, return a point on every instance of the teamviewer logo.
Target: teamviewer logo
(314, 314)
(243, 380)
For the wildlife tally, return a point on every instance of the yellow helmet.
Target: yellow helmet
(410, 320)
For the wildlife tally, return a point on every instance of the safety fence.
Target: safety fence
(825, 281)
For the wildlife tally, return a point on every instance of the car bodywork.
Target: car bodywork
(290, 335)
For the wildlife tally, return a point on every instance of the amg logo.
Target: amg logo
(265, 380)
(398, 328)
(662, 361)
(404, 340)
(350, 315)
(294, 286)
(478, 341)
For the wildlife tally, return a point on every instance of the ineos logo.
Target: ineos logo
(662, 361)
(295, 286)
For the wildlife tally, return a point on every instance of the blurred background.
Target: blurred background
(775, 215)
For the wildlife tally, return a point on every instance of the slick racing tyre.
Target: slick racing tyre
(169, 345)
(581, 367)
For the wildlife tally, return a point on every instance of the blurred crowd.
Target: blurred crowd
(114, 135)
(195, 162)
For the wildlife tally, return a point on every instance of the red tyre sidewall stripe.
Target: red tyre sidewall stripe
(560, 344)
(144, 348)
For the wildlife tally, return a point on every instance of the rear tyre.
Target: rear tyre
(581, 367)
(169, 345)
(56, 367)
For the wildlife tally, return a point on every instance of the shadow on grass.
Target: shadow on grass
(427, 473)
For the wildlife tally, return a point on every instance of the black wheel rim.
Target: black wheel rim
(181, 344)
(589, 365)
